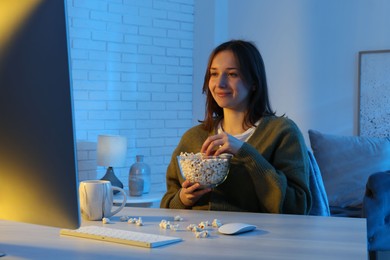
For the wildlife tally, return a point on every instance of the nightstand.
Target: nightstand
(146, 200)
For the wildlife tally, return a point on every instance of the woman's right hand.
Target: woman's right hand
(221, 143)
(190, 193)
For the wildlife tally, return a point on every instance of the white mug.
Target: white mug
(96, 199)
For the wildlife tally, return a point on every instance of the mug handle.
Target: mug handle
(123, 202)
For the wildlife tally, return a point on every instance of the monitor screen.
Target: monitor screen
(38, 169)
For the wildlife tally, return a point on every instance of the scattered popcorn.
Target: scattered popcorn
(216, 223)
(199, 229)
(193, 228)
(190, 227)
(139, 222)
(165, 224)
(131, 220)
(202, 234)
(203, 224)
(178, 218)
(174, 227)
(124, 218)
(106, 220)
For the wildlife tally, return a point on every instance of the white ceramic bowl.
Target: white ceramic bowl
(208, 171)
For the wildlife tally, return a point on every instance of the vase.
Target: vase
(110, 176)
(139, 177)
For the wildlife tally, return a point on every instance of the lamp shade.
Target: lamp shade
(111, 150)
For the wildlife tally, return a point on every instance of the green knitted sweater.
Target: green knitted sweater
(270, 172)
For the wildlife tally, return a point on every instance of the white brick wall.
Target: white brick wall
(132, 75)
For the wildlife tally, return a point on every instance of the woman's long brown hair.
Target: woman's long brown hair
(252, 71)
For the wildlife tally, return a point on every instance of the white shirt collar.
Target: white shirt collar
(243, 136)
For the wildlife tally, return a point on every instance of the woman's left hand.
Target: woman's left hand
(221, 143)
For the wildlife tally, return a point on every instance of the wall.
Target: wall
(138, 66)
(132, 76)
(310, 49)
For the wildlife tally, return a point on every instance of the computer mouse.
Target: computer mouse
(235, 228)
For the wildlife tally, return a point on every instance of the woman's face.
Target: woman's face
(225, 83)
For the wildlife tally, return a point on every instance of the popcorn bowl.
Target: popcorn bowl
(208, 171)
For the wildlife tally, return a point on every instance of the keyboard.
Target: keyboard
(120, 236)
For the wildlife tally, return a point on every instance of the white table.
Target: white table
(146, 200)
(277, 237)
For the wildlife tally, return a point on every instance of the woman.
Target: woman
(270, 169)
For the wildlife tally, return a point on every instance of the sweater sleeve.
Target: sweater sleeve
(171, 198)
(279, 167)
(191, 141)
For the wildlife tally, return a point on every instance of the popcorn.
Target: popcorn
(194, 228)
(174, 227)
(131, 220)
(165, 224)
(124, 218)
(216, 223)
(202, 234)
(204, 170)
(190, 227)
(197, 229)
(106, 220)
(203, 224)
(139, 222)
(178, 218)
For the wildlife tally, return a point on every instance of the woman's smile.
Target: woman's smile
(223, 94)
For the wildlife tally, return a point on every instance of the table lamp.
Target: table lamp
(111, 152)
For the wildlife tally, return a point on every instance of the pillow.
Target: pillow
(346, 162)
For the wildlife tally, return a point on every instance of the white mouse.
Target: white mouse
(235, 228)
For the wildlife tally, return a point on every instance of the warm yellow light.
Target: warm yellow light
(12, 15)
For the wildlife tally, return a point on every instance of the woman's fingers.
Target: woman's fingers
(221, 143)
(206, 144)
(190, 193)
(213, 143)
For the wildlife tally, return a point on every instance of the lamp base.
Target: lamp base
(110, 176)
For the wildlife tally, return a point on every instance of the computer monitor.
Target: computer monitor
(38, 169)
